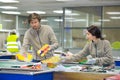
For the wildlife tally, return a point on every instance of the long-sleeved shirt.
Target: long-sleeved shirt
(37, 38)
(101, 50)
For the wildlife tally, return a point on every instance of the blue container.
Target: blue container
(117, 64)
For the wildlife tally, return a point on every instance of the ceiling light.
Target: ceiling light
(105, 20)
(69, 18)
(8, 20)
(115, 17)
(8, 7)
(113, 12)
(58, 20)
(61, 11)
(64, 0)
(11, 12)
(58, 11)
(9, 1)
(97, 23)
(44, 20)
(38, 12)
(75, 20)
(72, 14)
(79, 20)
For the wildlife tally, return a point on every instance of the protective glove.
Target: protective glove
(67, 54)
(27, 57)
(44, 50)
(91, 61)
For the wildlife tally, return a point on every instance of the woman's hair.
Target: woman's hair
(34, 16)
(95, 31)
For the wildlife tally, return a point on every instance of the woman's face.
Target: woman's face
(35, 24)
(89, 36)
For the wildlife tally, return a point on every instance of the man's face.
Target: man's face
(35, 24)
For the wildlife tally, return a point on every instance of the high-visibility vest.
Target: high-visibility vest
(12, 44)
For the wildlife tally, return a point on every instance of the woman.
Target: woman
(97, 50)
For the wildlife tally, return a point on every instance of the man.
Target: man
(37, 36)
(13, 44)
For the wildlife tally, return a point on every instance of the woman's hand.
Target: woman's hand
(66, 57)
(90, 60)
(69, 55)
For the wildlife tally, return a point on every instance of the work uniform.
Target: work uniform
(101, 50)
(38, 38)
(12, 44)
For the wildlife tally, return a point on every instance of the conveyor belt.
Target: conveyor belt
(14, 65)
(19, 69)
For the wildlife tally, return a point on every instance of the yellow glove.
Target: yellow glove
(24, 57)
(43, 51)
(20, 57)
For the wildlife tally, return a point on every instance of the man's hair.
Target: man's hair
(34, 16)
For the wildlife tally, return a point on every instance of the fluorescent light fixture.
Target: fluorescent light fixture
(64, 0)
(8, 20)
(68, 11)
(113, 13)
(8, 7)
(11, 12)
(9, 1)
(97, 23)
(75, 20)
(115, 17)
(72, 14)
(69, 18)
(44, 20)
(105, 20)
(79, 20)
(61, 11)
(38, 12)
(58, 11)
(58, 20)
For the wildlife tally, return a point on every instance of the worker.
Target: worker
(37, 36)
(97, 50)
(13, 43)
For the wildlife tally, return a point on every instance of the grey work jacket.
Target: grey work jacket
(102, 52)
(45, 35)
